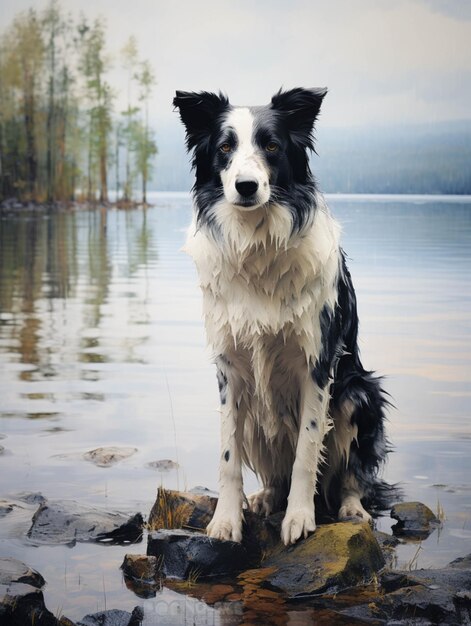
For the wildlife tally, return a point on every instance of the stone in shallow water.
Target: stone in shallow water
(425, 596)
(21, 598)
(335, 557)
(114, 617)
(66, 522)
(176, 509)
(164, 465)
(140, 566)
(186, 554)
(107, 456)
(14, 571)
(414, 520)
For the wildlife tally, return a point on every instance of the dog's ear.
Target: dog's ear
(198, 112)
(300, 108)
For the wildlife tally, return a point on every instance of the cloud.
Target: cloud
(382, 61)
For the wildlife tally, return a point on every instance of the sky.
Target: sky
(383, 61)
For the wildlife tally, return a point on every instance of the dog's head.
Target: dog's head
(252, 156)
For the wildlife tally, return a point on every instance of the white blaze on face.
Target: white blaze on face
(247, 163)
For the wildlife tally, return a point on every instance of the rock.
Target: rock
(142, 574)
(165, 465)
(186, 554)
(335, 557)
(30, 497)
(175, 509)
(21, 598)
(203, 491)
(462, 562)
(13, 571)
(426, 596)
(415, 520)
(105, 457)
(66, 522)
(193, 511)
(140, 566)
(113, 617)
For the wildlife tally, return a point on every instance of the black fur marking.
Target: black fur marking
(222, 384)
(351, 382)
(227, 455)
(330, 345)
(313, 424)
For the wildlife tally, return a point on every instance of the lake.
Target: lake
(102, 343)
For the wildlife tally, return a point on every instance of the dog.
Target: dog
(297, 406)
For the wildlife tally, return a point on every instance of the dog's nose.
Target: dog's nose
(246, 187)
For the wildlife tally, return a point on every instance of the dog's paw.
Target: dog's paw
(352, 509)
(263, 501)
(225, 527)
(297, 523)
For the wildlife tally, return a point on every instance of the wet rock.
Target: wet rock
(30, 497)
(142, 574)
(426, 596)
(164, 465)
(14, 571)
(335, 557)
(193, 511)
(140, 566)
(186, 554)
(175, 509)
(113, 617)
(203, 491)
(21, 598)
(66, 522)
(462, 562)
(105, 457)
(414, 520)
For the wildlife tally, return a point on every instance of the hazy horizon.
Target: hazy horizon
(384, 63)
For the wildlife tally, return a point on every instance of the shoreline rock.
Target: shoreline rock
(67, 522)
(414, 520)
(337, 573)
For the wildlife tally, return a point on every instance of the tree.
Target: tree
(25, 46)
(147, 148)
(56, 110)
(100, 96)
(129, 57)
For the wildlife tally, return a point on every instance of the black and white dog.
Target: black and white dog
(281, 318)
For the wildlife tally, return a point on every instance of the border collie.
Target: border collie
(280, 312)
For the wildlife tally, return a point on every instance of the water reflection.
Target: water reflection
(102, 343)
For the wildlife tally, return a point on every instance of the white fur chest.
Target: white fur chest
(258, 280)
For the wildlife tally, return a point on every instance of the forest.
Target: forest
(61, 138)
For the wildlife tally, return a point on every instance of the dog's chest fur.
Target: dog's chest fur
(263, 293)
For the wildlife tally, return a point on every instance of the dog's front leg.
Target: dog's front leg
(227, 519)
(299, 519)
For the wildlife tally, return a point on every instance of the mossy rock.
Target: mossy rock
(335, 557)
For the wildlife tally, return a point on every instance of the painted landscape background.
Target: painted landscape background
(101, 336)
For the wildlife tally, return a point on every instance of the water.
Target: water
(102, 343)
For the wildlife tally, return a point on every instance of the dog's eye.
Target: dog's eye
(225, 148)
(271, 146)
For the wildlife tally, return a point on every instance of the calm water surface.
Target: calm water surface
(102, 343)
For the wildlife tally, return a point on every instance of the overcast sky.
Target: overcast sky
(383, 61)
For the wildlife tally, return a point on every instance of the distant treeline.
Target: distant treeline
(432, 158)
(59, 133)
